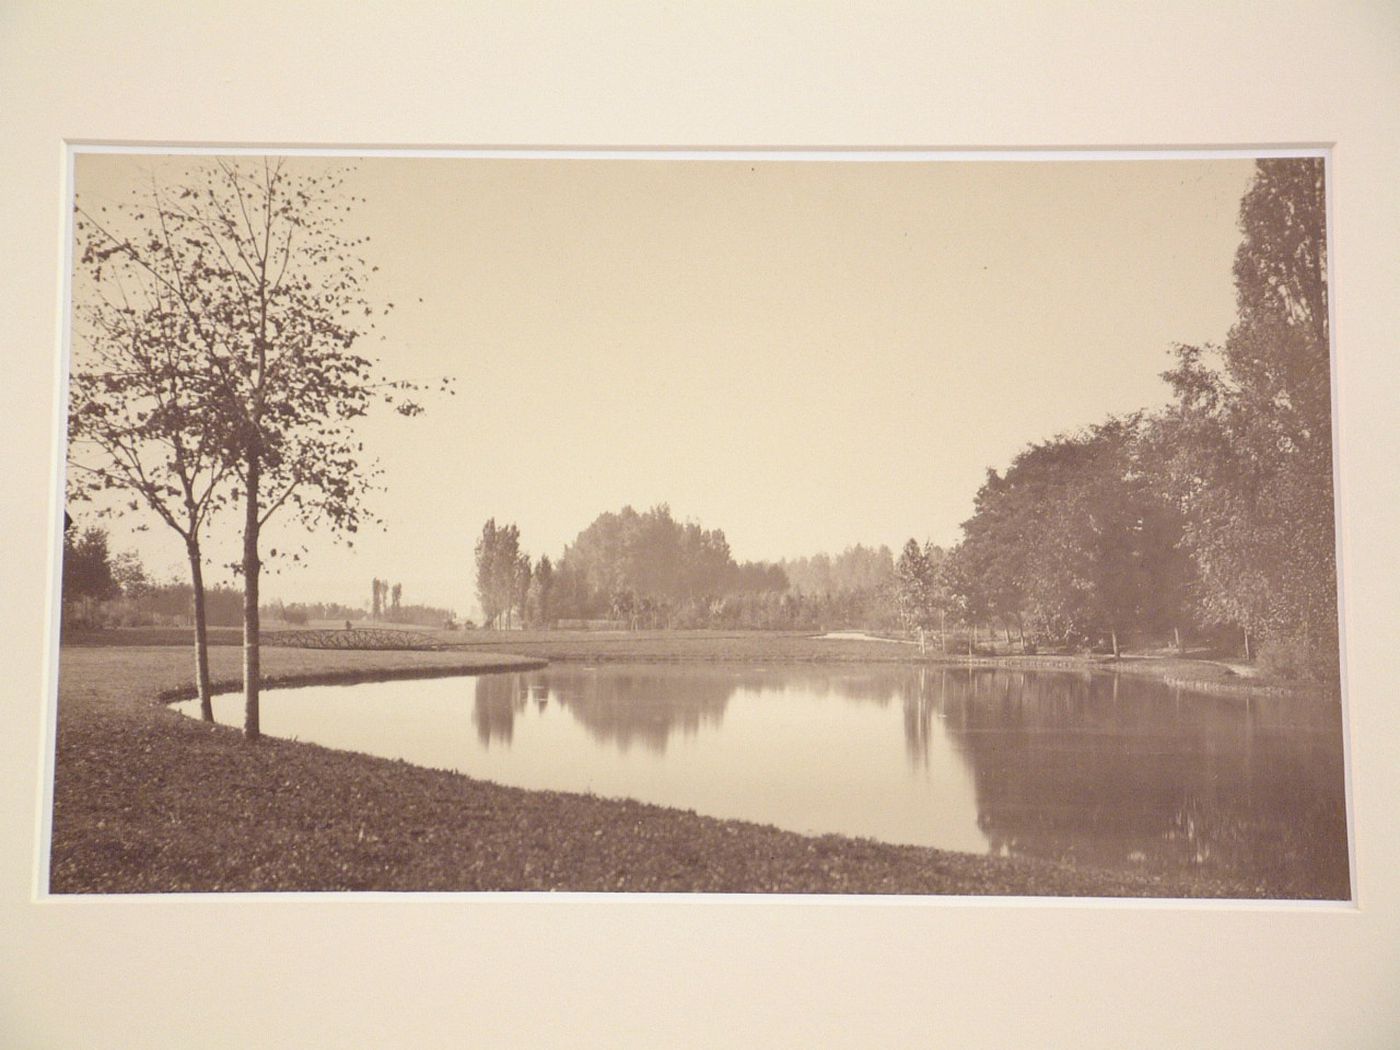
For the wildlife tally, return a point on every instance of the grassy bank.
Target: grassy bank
(148, 800)
(1204, 671)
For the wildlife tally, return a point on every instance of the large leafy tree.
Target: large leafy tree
(1253, 430)
(268, 288)
(1073, 540)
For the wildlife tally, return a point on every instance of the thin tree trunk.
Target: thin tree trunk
(1247, 655)
(1177, 632)
(943, 629)
(1114, 635)
(1021, 630)
(201, 634)
(252, 663)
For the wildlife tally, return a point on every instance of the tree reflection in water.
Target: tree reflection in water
(499, 698)
(646, 703)
(642, 705)
(1092, 769)
(1112, 770)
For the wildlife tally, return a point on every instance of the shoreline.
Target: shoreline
(1185, 672)
(1200, 673)
(149, 800)
(224, 686)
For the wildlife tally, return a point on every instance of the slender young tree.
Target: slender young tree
(140, 424)
(520, 584)
(913, 589)
(498, 571)
(252, 258)
(485, 553)
(540, 595)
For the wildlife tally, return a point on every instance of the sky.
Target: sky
(805, 354)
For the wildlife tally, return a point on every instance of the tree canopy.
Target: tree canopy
(651, 557)
(253, 292)
(1251, 429)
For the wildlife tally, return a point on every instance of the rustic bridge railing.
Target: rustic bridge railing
(356, 638)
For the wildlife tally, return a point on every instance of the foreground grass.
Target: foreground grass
(146, 800)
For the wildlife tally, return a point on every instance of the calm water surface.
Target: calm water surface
(1094, 769)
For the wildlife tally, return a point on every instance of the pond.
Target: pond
(1094, 769)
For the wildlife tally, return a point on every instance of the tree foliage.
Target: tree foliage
(1073, 542)
(1219, 508)
(256, 293)
(141, 423)
(922, 597)
(88, 575)
(498, 558)
(856, 569)
(647, 567)
(1252, 428)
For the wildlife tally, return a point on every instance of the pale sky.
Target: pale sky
(807, 355)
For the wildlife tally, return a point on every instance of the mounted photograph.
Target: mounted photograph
(728, 522)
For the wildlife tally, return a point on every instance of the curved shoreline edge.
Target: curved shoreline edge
(148, 800)
(224, 686)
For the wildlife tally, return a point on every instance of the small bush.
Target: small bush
(1298, 659)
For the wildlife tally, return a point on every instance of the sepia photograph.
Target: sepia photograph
(711, 523)
(699, 525)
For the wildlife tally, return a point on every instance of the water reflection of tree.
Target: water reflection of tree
(642, 704)
(1116, 771)
(922, 694)
(499, 698)
(646, 703)
(878, 685)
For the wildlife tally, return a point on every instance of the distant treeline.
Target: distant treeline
(101, 589)
(647, 570)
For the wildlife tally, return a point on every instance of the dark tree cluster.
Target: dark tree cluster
(647, 569)
(1075, 544)
(1214, 514)
(386, 601)
(509, 588)
(88, 577)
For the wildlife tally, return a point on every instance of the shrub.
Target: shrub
(1298, 658)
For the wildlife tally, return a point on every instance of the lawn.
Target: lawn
(1202, 670)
